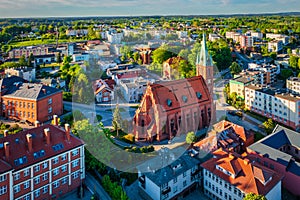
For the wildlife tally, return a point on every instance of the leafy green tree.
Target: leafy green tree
(235, 68)
(273, 55)
(293, 62)
(30, 60)
(58, 58)
(22, 61)
(184, 53)
(285, 74)
(136, 56)
(10, 65)
(233, 97)
(190, 138)
(162, 54)
(193, 55)
(252, 196)
(269, 125)
(117, 120)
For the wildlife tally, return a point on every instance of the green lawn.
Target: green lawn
(256, 116)
(41, 42)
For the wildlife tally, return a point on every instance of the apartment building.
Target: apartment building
(275, 46)
(27, 73)
(238, 85)
(26, 51)
(48, 163)
(174, 180)
(283, 38)
(276, 104)
(246, 41)
(28, 101)
(293, 85)
(227, 176)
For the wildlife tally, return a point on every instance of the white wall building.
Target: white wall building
(293, 85)
(276, 104)
(114, 38)
(171, 181)
(231, 178)
(275, 46)
(26, 73)
(80, 57)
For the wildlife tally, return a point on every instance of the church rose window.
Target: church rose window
(184, 98)
(169, 102)
(199, 95)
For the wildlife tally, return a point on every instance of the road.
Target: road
(95, 186)
(244, 59)
(247, 121)
(105, 110)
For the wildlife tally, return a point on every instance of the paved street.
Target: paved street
(95, 187)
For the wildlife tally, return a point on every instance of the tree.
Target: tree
(136, 56)
(117, 121)
(30, 60)
(233, 97)
(293, 62)
(22, 61)
(162, 54)
(235, 68)
(273, 55)
(252, 196)
(285, 74)
(184, 53)
(58, 58)
(269, 125)
(190, 138)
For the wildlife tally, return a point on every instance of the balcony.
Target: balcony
(166, 190)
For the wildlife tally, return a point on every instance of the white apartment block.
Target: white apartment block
(171, 181)
(257, 35)
(114, 38)
(275, 46)
(213, 37)
(182, 34)
(293, 85)
(275, 104)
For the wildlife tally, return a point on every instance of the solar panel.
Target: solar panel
(58, 147)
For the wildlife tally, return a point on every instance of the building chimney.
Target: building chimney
(37, 123)
(55, 120)
(231, 156)
(44, 90)
(29, 142)
(5, 133)
(6, 148)
(68, 130)
(47, 135)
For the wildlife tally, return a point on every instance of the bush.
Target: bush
(129, 138)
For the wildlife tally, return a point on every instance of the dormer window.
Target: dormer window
(184, 98)
(169, 102)
(199, 95)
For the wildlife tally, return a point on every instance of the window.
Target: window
(64, 168)
(45, 177)
(32, 115)
(45, 189)
(17, 189)
(28, 105)
(37, 193)
(26, 184)
(64, 180)
(37, 168)
(175, 180)
(184, 174)
(55, 184)
(184, 183)
(37, 180)
(3, 190)
(45, 165)
(55, 172)
(50, 101)
(75, 152)
(17, 176)
(32, 105)
(175, 189)
(55, 160)
(64, 157)
(50, 110)
(75, 175)
(75, 163)
(27, 197)
(3, 178)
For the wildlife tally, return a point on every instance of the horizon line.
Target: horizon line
(157, 15)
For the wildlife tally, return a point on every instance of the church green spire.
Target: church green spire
(203, 58)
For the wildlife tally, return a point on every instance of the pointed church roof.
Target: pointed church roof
(204, 58)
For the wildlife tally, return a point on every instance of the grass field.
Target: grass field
(41, 42)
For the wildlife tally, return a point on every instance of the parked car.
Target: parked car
(239, 113)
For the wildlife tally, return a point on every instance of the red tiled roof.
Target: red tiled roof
(177, 89)
(19, 148)
(249, 177)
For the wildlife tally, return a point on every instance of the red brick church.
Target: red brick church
(171, 108)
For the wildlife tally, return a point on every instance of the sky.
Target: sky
(57, 8)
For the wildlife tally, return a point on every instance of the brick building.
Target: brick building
(49, 163)
(28, 101)
(172, 108)
(26, 51)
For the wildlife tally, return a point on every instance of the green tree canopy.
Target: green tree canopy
(293, 62)
(162, 54)
(235, 68)
(117, 120)
(252, 196)
(190, 137)
(269, 125)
